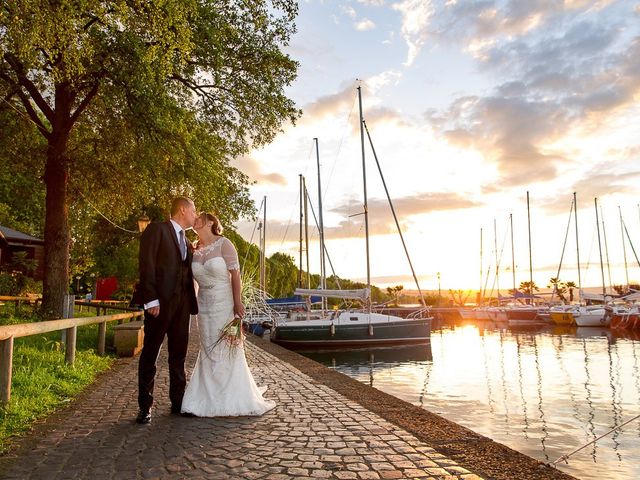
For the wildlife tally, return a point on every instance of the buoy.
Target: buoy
(370, 330)
(332, 329)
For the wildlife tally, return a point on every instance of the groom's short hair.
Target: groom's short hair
(178, 203)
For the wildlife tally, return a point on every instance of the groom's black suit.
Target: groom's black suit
(165, 277)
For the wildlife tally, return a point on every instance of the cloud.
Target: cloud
(364, 25)
(573, 75)
(416, 16)
(351, 224)
(372, 3)
(380, 218)
(329, 105)
(348, 10)
(387, 78)
(336, 104)
(252, 168)
(597, 183)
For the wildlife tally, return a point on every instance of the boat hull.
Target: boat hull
(299, 335)
(592, 318)
(562, 318)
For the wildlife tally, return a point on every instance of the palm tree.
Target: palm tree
(529, 288)
(571, 286)
(559, 288)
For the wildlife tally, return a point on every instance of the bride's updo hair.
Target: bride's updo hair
(216, 228)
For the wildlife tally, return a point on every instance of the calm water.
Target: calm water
(543, 392)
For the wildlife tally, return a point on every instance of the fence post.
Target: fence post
(6, 354)
(102, 335)
(70, 333)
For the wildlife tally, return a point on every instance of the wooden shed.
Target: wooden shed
(13, 241)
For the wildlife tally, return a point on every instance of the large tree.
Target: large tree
(143, 99)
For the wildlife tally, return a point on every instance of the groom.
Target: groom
(167, 292)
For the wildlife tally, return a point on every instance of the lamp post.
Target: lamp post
(77, 284)
(143, 222)
(438, 288)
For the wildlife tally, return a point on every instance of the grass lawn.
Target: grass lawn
(41, 380)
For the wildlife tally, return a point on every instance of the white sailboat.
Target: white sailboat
(353, 328)
(594, 315)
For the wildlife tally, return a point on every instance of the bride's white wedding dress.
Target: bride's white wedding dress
(221, 383)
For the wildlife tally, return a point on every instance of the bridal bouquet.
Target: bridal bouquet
(232, 334)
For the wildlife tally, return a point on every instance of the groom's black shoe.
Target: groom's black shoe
(177, 411)
(143, 417)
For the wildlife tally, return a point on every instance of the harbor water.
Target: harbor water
(543, 391)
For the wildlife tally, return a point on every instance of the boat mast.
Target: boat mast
(513, 261)
(604, 288)
(624, 248)
(575, 212)
(480, 290)
(263, 242)
(366, 208)
(300, 236)
(495, 247)
(323, 281)
(530, 260)
(606, 248)
(306, 229)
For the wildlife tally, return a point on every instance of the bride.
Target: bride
(221, 383)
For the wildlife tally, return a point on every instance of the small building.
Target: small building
(13, 241)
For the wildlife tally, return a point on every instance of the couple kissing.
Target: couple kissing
(171, 272)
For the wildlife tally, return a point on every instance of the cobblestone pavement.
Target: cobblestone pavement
(313, 432)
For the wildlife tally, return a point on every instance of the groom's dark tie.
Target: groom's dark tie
(183, 245)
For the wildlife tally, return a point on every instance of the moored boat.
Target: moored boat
(591, 316)
(524, 315)
(625, 317)
(352, 329)
(467, 313)
(562, 315)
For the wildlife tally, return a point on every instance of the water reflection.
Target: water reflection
(543, 391)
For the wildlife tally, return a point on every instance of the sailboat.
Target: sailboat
(593, 315)
(528, 314)
(353, 328)
(563, 314)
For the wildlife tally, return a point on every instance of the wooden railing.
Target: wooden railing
(105, 305)
(70, 325)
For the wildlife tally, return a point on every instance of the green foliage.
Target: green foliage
(282, 275)
(42, 381)
(14, 276)
(21, 189)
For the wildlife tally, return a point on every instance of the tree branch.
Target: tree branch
(85, 102)
(33, 115)
(29, 86)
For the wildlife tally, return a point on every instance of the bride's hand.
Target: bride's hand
(238, 310)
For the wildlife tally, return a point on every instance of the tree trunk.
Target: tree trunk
(56, 229)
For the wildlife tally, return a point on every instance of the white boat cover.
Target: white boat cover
(594, 296)
(361, 294)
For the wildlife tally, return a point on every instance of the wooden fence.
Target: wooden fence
(69, 325)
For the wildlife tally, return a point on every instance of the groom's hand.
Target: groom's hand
(154, 311)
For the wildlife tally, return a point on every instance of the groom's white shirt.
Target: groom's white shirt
(178, 229)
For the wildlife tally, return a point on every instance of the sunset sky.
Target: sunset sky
(470, 105)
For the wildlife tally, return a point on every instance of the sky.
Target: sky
(470, 105)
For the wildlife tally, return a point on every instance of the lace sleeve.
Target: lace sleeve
(230, 255)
